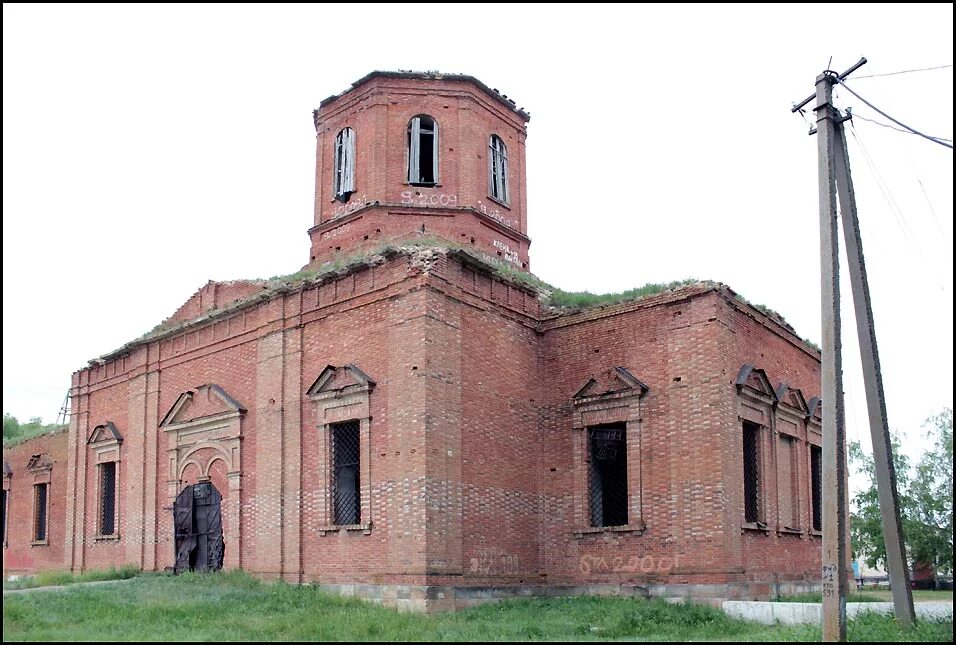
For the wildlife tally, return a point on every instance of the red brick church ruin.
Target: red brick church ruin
(409, 420)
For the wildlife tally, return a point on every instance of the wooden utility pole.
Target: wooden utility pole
(834, 178)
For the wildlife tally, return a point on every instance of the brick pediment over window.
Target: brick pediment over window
(40, 462)
(815, 410)
(606, 412)
(205, 401)
(754, 382)
(105, 432)
(104, 443)
(40, 468)
(793, 399)
(343, 418)
(615, 382)
(340, 380)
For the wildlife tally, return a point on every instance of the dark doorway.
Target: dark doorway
(197, 520)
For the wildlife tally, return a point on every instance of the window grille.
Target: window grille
(39, 520)
(816, 486)
(751, 456)
(346, 500)
(108, 498)
(607, 474)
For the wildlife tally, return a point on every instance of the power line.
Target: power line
(905, 71)
(887, 193)
(899, 123)
(886, 125)
(930, 204)
(902, 222)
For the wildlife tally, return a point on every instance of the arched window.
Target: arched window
(498, 169)
(423, 151)
(344, 182)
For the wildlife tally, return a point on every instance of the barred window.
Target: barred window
(346, 507)
(753, 509)
(607, 475)
(108, 498)
(344, 181)
(498, 169)
(39, 512)
(816, 487)
(423, 151)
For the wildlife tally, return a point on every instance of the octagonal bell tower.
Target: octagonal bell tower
(401, 155)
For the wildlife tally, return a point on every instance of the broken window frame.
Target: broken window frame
(607, 470)
(498, 170)
(343, 183)
(417, 135)
(41, 513)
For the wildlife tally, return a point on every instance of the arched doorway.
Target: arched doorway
(197, 524)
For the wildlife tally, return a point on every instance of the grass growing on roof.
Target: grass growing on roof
(586, 299)
(551, 296)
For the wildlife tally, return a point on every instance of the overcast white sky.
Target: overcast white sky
(148, 149)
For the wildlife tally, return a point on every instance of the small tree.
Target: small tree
(925, 498)
(930, 524)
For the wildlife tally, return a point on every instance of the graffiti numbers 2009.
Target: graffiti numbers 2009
(433, 199)
(628, 564)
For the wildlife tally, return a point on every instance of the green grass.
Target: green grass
(234, 606)
(918, 595)
(586, 299)
(51, 578)
(873, 595)
(815, 596)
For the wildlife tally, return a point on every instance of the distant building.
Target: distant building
(410, 420)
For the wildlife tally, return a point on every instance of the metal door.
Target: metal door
(197, 520)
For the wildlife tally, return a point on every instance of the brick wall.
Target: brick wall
(20, 552)
(473, 402)
(751, 338)
(475, 453)
(384, 205)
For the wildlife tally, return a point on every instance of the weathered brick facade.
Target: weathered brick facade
(477, 410)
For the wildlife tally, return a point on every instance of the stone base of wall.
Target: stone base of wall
(437, 598)
(797, 613)
(715, 594)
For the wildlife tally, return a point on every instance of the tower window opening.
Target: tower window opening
(423, 151)
(498, 169)
(344, 182)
